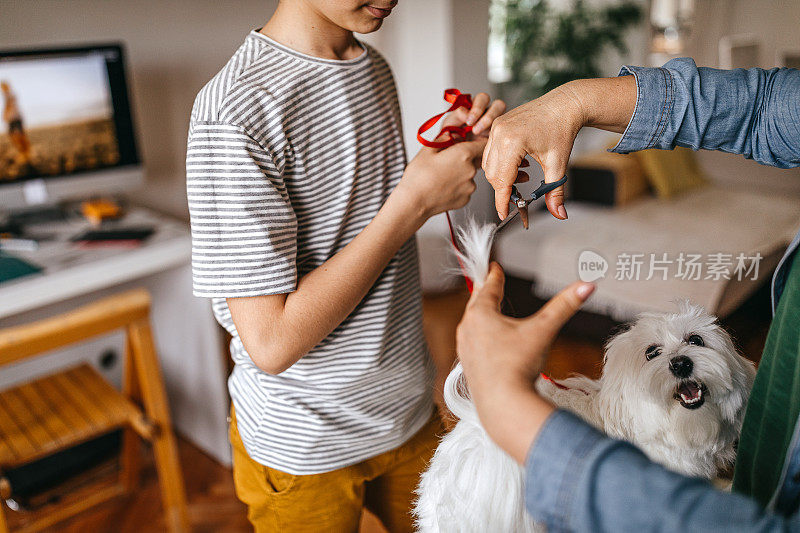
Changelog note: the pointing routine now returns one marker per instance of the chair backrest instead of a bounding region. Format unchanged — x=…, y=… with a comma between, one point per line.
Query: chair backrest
x=91, y=320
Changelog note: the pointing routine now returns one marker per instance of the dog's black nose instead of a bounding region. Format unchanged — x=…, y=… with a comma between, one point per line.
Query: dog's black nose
x=681, y=366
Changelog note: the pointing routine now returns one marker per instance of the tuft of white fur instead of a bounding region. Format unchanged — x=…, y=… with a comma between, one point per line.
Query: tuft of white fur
x=476, y=242
x=458, y=493
x=471, y=485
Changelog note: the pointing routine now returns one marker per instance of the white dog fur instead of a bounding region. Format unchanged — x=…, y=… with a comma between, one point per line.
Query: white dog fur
x=471, y=485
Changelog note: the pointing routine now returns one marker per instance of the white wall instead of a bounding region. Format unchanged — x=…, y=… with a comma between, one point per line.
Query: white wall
x=777, y=25
x=415, y=40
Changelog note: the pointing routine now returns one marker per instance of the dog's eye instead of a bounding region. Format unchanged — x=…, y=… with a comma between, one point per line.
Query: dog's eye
x=652, y=351
x=696, y=340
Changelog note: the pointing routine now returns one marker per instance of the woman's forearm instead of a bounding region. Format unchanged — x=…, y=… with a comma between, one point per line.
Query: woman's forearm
x=607, y=103
x=514, y=419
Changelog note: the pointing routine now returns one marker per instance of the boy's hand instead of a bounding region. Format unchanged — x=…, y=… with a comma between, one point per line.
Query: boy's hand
x=441, y=180
x=480, y=116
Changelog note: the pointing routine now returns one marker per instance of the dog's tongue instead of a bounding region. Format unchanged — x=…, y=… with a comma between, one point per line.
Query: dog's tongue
x=689, y=390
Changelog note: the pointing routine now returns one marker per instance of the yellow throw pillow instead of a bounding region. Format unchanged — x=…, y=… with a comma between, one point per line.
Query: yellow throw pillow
x=671, y=172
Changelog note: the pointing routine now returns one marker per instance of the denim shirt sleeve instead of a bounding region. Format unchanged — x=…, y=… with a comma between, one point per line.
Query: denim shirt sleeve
x=755, y=112
x=577, y=479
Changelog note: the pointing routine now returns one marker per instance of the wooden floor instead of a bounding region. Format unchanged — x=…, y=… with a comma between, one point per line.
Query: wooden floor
x=213, y=506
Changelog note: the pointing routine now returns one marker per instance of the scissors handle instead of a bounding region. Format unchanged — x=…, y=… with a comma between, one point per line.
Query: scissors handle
x=545, y=188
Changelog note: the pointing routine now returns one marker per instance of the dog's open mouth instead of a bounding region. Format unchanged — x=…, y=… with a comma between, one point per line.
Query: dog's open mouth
x=691, y=394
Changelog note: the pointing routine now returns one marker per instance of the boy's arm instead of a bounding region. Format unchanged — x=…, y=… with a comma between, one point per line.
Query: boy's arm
x=277, y=330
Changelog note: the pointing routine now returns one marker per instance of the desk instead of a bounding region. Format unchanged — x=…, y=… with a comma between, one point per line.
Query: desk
x=188, y=339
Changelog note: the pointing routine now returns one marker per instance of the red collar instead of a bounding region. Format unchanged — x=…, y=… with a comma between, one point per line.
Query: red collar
x=559, y=385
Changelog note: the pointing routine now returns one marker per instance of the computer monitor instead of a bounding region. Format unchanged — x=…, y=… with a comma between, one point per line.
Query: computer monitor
x=65, y=125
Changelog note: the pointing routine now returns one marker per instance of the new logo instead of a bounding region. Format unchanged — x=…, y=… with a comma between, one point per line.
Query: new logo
x=591, y=266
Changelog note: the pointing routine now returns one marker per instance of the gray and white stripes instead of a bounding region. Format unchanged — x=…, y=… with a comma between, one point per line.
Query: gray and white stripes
x=289, y=158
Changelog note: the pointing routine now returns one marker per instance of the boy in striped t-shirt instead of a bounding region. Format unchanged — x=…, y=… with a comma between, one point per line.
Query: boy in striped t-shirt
x=303, y=215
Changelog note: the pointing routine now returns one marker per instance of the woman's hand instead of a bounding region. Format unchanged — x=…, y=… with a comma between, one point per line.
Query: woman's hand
x=545, y=129
x=502, y=357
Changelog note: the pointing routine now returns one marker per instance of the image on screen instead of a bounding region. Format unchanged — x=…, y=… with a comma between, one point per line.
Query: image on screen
x=56, y=117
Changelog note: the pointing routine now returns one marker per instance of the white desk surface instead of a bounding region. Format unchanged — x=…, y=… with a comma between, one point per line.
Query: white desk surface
x=70, y=270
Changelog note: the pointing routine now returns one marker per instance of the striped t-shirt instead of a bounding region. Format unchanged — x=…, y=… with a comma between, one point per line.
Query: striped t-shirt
x=289, y=158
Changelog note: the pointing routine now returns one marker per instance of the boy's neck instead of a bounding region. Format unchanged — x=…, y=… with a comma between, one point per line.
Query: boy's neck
x=301, y=27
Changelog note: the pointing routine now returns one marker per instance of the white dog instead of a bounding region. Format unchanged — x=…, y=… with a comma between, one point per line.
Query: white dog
x=672, y=383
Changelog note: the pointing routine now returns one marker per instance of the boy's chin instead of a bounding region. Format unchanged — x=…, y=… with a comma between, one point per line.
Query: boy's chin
x=367, y=26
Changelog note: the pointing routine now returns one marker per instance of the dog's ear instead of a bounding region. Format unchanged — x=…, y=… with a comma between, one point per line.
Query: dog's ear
x=615, y=332
x=618, y=329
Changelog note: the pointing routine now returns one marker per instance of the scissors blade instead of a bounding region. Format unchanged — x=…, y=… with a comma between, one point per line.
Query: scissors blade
x=523, y=215
x=511, y=216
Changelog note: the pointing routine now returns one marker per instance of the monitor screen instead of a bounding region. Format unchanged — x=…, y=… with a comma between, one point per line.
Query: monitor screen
x=64, y=112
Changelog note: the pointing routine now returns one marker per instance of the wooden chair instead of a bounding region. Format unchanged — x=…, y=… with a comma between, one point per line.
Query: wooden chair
x=69, y=407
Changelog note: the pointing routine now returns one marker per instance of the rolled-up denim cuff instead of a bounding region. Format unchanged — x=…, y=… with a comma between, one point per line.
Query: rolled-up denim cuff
x=555, y=466
x=650, y=126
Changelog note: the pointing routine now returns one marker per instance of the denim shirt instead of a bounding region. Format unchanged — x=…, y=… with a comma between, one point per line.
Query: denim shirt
x=578, y=479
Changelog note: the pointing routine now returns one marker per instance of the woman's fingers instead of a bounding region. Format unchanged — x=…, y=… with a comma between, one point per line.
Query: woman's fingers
x=555, y=169
x=501, y=161
x=489, y=294
x=486, y=152
x=549, y=320
x=555, y=203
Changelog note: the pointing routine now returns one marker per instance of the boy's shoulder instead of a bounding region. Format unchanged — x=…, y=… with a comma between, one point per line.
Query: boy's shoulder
x=259, y=79
x=245, y=81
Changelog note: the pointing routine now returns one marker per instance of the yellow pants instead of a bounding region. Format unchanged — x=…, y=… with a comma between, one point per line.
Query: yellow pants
x=332, y=502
